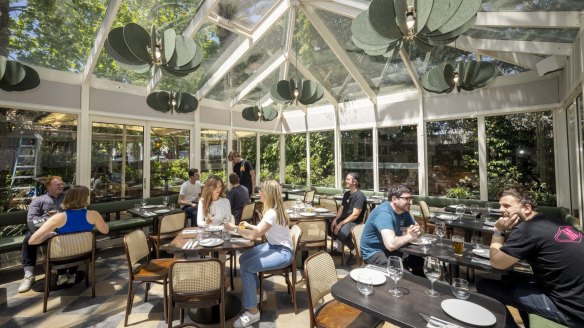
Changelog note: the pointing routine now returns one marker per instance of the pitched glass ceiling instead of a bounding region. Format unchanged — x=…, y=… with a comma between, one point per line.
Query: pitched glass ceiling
x=563, y=35
x=532, y=5
x=246, y=14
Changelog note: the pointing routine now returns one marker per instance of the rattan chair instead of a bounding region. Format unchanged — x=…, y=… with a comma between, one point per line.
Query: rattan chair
x=143, y=270
x=428, y=227
x=196, y=283
x=309, y=197
x=66, y=251
x=356, y=234
x=168, y=227
x=296, y=234
x=247, y=214
x=329, y=204
x=288, y=204
x=314, y=234
x=320, y=274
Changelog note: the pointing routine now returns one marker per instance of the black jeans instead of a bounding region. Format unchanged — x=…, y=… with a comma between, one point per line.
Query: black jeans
x=411, y=263
x=29, y=252
x=191, y=212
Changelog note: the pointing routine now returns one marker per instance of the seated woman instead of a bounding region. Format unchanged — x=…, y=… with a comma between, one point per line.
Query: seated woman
x=213, y=207
x=275, y=254
x=76, y=218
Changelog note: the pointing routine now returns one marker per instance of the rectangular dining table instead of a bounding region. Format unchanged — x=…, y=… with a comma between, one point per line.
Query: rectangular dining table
x=154, y=212
x=405, y=311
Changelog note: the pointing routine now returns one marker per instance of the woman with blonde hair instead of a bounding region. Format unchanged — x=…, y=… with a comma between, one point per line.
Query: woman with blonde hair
x=276, y=253
x=213, y=207
x=76, y=218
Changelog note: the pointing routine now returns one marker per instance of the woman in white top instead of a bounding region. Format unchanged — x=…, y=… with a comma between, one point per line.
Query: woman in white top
x=275, y=254
x=213, y=207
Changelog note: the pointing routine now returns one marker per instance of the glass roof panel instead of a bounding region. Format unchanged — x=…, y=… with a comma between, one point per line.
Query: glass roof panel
x=532, y=5
x=220, y=91
x=317, y=57
x=244, y=13
x=53, y=34
x=523, y=34
x=251, y=98
x=384, y=75
x=504, y=67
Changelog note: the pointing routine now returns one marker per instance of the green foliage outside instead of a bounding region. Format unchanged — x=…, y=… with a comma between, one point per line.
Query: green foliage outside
x=270, y=157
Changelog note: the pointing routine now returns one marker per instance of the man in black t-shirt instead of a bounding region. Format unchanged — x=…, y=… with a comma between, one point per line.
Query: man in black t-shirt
x=350, y=213
x=244, y=169
x=555, y=251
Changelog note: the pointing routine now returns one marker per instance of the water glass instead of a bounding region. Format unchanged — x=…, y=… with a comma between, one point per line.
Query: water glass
x=432, y=271
x=474, y=211
x=440, y=230
x=395, y=270
x=143, y=202
x=165, y=201
x=365, y=284
x=458, y=245
x=488, y=209
x=226, y=235
x=476, y=241
x=137, y=206
x=459, y=211
x=460, y=288
x=172, y=206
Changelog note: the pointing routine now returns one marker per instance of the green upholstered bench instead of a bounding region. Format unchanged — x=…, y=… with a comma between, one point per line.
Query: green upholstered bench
x=14, y=218
x=541, y=322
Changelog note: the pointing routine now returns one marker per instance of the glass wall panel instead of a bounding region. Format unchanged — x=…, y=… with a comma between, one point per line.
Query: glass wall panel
x=169, y=160
x=574, y=154
x=34, y=145
x=296, y=172
x=322, y=158
x=245, y=143
x=269, y=157
x=398, y=156
x=357, y=156
x=520, y=149
x=213, y=154
x=116, y=161
x=453, y=158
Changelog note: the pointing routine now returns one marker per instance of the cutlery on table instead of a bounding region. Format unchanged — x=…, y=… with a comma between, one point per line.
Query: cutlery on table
x=436, y=322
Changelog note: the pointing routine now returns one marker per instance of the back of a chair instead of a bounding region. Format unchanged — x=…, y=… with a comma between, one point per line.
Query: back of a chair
x=71, y=245
x=296, y=234
x=203, y=277
x=357, y=232
x=313, y=230
x=247, y=212
x=309, y=196
x=289, y=204
x=329, y=204
x=320, y=275
x=172, y=223
x=426, y=217
x=136, y=246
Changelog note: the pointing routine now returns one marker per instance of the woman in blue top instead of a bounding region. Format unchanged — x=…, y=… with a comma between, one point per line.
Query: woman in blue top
x=76, y=218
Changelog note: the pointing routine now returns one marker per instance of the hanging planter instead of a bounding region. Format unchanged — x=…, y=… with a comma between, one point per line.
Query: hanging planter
x=466, y=75
x=15, y=76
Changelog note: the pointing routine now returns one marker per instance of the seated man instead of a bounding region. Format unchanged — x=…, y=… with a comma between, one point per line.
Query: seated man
x=189, y=194
x=238, y=197
x=382, y=234
x=555, y=251
x=350, y=213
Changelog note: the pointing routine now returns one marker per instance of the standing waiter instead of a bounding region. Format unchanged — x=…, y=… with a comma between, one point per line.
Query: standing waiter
x=244, y=169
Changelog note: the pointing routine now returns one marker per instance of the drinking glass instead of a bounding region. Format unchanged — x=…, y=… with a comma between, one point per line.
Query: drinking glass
x=172, y=206
x=460, y=288
x=137, y=206
x=143, y=202
x=488, y=210
x=458, y=245
x=474, y=211
x=459, y=211
x=433, y=271
x=165, y=201
x=440, y=230
x=476, y=241
x=395, y=270
x=365, y=284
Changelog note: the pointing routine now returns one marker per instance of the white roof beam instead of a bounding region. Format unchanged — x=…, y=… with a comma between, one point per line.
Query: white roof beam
x=308, y=74
x=289, y=35
x=528, y=47
x=534, y=19
x=523, y=60
x=228, y=25
x=344, y=8
x=339, y=52
x=241, y=49
x=106, y=25
x=410, y=68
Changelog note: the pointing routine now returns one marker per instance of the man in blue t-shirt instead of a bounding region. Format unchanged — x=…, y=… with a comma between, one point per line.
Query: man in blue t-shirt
x=382, y=234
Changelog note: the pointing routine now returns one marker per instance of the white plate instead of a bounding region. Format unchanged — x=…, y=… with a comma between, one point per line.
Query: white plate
x=307, y=214
x=211, y=242
x=468, y=312
x=490, y=223
x=149, y=206
x=214, y=228
x=162, y=211
x=482, y=252
x=445, y=217
x=377, y=278
x=421, y=241
x=289, y=211
x=320, y=210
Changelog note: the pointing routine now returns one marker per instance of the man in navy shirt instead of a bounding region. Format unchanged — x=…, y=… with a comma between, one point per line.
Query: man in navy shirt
x=238, y=197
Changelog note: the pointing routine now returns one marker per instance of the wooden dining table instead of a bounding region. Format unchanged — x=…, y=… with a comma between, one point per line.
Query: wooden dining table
x=405, y=311
x=155, y=212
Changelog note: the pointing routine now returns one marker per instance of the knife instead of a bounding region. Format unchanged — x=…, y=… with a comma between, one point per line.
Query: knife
x=439, y=322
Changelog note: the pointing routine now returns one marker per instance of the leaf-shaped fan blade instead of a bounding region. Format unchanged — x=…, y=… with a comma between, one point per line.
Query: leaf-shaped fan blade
x=366, y=36
x=269, y=113
x=436, y=77
x=283, y=89
x=441, y=13
x=428, y=86
x=463, y=14
x=188, y=103
x=308, y=90
x=115, y=56
x=168, y=71
x=455, y=33
x=2, y=66
x=368, y=47
x=400, y=9
x=153, y=103
x=449, y=75
x=423, y=10
x=195, y=62
x=118, y=44
x=381, y=16
x=168, y=44
x=299, y=85
x=471, y=71
x=316, y=96
x=487, y=73
x=291, y=87
x=251, y=113
x=423, y=46
x=31, y=80
x=14, y=73
x=185, y=51
x=163, y=99
x=137, y=41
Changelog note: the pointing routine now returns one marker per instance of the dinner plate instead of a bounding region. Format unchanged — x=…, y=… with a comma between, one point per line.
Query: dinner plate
x=149, y=206
x=377, y=278
x=307, y=214
x=445, y=217
x=422, y=241
x=211, y=242
x=320, y=210
x=482, y=252
x=162, y=211
x=490, y=223
x=468, y=312
x=289, y=211
x=430, y=237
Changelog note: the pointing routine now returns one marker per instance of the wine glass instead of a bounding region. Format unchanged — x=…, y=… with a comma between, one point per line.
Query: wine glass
x=476, y=241
x=474, y=211
x=165, y=201
x=433, y=271
x=143, y=202
x=395, y=270
x=459, y=211
x=440, y=230
x=365, y=284
x=460, y=288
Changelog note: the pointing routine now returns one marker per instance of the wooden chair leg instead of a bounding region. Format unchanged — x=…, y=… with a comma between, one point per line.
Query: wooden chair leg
x=129, y=302
x=170, y=312
x=47, y=287
x=165, y=298
x=260, y=301
x=146, y=292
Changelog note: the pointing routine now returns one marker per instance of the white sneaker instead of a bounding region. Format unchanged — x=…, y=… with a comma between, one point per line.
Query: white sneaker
x=62, y=279
x=246, y=319
x=26, y=284
x=264, y=296
x=72, y=279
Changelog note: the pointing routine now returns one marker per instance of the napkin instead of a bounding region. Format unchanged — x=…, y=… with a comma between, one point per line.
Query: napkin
x=239, y=240
x=190, y=231
x=486, y=227
x=149, y=213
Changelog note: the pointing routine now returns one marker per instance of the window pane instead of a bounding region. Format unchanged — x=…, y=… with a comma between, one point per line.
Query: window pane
x=33, y=145
x=322, y=158
x=169, y=160
x=357, y=155
x=116, y=161
x=520, y=149
x=398, y=157
x=270, y=157
x=453, y=158
x=296, y=158
x=213, y=154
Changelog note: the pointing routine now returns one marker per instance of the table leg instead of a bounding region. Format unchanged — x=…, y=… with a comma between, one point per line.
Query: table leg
x=210, y=315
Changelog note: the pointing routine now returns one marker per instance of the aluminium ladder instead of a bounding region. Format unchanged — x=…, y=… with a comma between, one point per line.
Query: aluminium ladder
x=26, y=163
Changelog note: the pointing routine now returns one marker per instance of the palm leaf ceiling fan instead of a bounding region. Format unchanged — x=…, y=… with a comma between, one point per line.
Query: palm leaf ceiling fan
x=259, y=113
x=15, y=76
x=468, y=75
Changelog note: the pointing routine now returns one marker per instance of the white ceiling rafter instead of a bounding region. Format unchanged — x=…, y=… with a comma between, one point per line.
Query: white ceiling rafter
x=228, y=25
x=343, y=8
x=410, y=68
x=533, y=19
x=106, y=25
x=523, y=60
x=308, y=74
x=526, y=47
x=339, y=52
x=289, y=41
x=239, y=50
x=194, y=26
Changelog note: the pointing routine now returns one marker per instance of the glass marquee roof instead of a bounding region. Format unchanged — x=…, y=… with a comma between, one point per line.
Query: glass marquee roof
x=249, y=45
